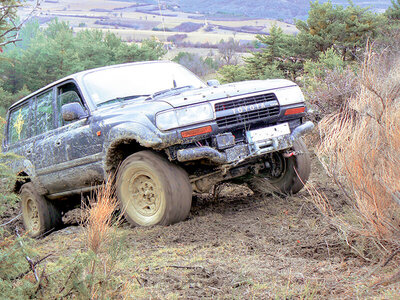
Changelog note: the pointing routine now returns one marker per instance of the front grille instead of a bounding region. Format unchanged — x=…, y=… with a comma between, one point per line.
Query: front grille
x=245, y=101
x=247, y=117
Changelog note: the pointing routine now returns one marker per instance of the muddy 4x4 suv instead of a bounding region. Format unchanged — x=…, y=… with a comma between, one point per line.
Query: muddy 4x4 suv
x=160, y=131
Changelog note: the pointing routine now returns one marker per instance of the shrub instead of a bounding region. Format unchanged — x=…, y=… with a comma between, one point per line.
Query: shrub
x=196, y=63
x=187, y=27
x=85, y=274
x=232, y=73
x=329, y=83
x=360, y=148
x=177, y=38
x=327, y=95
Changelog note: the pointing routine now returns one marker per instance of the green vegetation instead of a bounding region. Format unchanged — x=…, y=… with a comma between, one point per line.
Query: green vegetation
x=45, y=55
x=393, y=12
x=8, y=16
x=338, y=30
x=89, y=273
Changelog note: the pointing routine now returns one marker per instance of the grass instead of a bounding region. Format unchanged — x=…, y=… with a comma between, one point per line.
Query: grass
x=236, y=247
x=360, y=148
x=98, y=217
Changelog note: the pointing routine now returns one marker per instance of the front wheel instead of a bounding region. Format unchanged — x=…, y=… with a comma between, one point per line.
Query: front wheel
x=152, y=191
x=286, y=175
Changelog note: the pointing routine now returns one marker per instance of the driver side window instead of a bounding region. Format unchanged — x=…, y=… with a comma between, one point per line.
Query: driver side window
x=67, y=93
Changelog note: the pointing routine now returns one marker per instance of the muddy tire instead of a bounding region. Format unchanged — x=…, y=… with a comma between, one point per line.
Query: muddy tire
x=39, y=215
x=295, y=173
x=152, y=191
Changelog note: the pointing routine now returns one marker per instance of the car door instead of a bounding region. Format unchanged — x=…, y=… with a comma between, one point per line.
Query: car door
x=19, y=139
x=69, y=155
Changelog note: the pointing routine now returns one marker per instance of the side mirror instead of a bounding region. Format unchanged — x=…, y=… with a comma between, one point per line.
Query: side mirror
x=72, y=111
x=213, y=82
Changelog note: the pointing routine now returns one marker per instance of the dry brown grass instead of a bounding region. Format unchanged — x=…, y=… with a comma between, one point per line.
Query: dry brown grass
x=98, y=216
x=102, y=239
x=360, y=149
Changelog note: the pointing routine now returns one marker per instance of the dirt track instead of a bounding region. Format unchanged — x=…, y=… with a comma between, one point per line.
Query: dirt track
x=238, y=246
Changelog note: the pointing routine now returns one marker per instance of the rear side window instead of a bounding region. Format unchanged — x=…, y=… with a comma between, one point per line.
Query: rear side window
x=44, y=112
x=18, y=125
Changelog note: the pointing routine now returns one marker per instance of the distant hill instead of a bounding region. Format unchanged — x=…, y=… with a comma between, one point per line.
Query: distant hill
x=286, y=10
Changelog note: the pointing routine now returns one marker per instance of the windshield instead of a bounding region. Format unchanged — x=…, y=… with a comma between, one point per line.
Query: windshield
x=131, y=81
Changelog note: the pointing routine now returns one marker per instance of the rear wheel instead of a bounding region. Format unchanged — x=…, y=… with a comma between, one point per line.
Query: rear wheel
x=153, y=191
x=286, y=175
x=39, y=214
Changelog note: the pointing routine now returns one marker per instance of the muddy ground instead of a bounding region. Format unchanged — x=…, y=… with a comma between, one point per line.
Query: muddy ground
x=239, y=245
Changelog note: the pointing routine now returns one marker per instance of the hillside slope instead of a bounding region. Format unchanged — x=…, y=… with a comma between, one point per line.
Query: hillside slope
x=272, y=9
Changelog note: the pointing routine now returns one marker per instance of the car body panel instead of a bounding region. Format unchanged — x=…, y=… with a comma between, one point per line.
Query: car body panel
x=76, y=156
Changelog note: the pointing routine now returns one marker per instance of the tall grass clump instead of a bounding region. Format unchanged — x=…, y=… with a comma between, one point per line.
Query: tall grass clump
x=103, y=242
x=90, y=272
x=98, y=217
x=360, y=149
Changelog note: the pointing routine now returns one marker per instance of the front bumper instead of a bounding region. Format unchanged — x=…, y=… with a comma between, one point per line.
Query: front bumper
x=242, y=152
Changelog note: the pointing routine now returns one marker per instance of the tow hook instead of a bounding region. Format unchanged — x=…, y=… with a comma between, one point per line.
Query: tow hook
x=289, y=154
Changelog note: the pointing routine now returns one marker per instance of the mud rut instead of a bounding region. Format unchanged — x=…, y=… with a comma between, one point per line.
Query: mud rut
x=236, y=245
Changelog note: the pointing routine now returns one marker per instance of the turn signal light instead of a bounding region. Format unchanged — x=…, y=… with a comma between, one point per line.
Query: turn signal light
x=197, y=131
x=293, y=111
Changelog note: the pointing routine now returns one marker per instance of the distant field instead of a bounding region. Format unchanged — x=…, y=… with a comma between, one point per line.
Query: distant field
x=123, y=19
x=194, y=37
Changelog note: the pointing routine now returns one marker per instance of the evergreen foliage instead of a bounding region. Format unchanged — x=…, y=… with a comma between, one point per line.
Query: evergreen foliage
x=393, y=12
x=277, y=58
x=327, y=61
x=328, y=29
x=232, y=73
x=45, y=55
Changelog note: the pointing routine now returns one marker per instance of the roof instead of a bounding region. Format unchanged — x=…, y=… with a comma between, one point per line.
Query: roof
x=78, y=77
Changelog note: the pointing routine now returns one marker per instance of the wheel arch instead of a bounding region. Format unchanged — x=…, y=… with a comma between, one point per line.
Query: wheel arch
x=25, y=172
x=118, y=151
x=21, y=178
x=126, y=139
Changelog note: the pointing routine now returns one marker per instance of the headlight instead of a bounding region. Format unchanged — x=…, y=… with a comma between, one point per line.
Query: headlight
x=184, y=116
x=290, y=95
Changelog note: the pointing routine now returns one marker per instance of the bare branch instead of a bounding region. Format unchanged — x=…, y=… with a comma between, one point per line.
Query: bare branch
x=28, y=259
x=11, y=34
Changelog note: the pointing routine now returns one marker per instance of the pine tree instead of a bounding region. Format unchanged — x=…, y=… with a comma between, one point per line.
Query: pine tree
x=279, y=56
x=393, y=12
x=345, y=29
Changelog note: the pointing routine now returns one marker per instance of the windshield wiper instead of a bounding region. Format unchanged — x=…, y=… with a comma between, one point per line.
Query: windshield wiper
x=121, y=99
x=170, y=92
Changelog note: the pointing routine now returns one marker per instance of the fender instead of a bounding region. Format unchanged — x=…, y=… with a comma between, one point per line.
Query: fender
x=23, y=165
x=145, y=135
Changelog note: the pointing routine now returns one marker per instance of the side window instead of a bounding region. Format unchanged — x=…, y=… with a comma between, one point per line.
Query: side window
x=18, y=124
x=44, y=112
x=67, y=93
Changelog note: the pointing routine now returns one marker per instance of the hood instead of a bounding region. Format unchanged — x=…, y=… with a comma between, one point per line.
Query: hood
x=224, y=91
